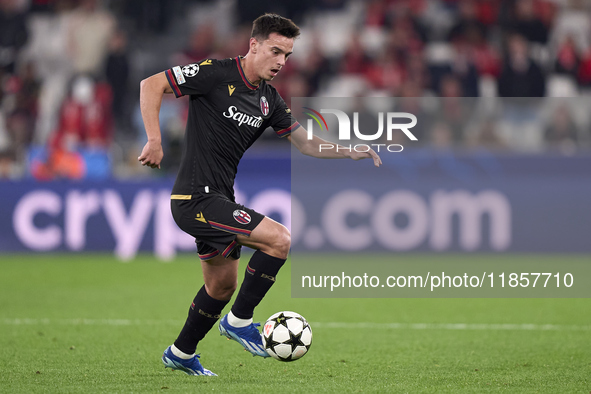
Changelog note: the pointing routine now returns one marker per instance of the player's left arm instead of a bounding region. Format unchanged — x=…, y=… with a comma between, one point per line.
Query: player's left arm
x=322, y=149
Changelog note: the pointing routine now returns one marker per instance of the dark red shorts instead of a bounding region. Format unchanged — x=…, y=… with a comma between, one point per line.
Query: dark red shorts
x=215, y=221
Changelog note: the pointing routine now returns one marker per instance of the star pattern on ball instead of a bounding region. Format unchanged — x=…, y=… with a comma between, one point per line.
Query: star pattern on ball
x=281, y=319
x=295, y=340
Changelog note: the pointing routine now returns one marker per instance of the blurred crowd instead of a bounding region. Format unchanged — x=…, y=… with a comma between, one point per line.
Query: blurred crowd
x=70, y=70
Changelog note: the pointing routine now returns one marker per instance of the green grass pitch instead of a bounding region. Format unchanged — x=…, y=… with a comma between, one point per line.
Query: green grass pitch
x=88, y=323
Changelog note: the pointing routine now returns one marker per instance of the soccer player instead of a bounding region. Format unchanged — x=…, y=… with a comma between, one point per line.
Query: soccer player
x=231, y=105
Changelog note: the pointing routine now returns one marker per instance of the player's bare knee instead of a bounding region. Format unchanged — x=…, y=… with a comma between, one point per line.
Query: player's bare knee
x=230, y=288
x=282, y=242
x=221, y=290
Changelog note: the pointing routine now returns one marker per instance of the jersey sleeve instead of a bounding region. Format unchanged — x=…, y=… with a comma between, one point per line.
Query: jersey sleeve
x=282, y=120
x=195, y=78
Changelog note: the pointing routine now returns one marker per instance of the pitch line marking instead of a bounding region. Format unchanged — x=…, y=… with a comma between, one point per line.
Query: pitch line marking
x=454, y=326
x=331, y=325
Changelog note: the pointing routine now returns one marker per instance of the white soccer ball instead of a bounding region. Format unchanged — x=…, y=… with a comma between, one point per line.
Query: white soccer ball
x=287, y=336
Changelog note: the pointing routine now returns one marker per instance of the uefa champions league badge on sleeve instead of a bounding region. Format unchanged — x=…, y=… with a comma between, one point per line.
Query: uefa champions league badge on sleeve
x=190, y=70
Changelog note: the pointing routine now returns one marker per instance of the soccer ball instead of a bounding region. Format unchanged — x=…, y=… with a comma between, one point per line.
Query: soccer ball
x=287, y=336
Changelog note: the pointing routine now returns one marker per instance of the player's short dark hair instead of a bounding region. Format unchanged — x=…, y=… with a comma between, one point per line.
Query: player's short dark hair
x=273, y=23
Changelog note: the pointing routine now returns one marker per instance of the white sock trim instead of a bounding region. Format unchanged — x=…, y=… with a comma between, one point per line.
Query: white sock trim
x=175, y=350
x=237, y=322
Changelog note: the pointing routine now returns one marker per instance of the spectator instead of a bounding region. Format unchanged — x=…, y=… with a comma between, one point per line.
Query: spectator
x=375, y=13
x=89, y=32
x=117, y=73
x=316, y=68
x=567, y=59
x=296, y=86
x=86, y=116
x=9, y=166
x=202, y=44
x=18, y=125
x=13, y=33
x=48, y=51
x=574, y=21
x=464, y=69
x=562, y=131
x=584, y=72
x=477, y=51
x=527, y=24
x=388, y=72
x=441, y=138
x=84, y=127
x=355, y=59
x=521, y=76
x=19, y=110
x=467, y=20
x=406, y=35
x=402, y=19
x=27, y=90
x=451, y=87
x=416, y=71
x=454, y=108
x=237, y=44
x=487, y=136
x=487, y=12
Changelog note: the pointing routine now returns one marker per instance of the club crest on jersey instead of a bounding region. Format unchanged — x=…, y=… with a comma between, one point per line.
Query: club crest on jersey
x=264, y=106
x=241, y=216
x=190, y=70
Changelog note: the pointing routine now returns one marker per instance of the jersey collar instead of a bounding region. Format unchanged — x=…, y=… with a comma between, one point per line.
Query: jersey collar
x=246, y=81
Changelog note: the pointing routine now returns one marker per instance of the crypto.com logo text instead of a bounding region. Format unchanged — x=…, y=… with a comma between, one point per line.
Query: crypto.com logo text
x=345, y=129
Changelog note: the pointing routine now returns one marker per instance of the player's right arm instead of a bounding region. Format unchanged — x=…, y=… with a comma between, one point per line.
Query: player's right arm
x=313, y=147
x=152, y=90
